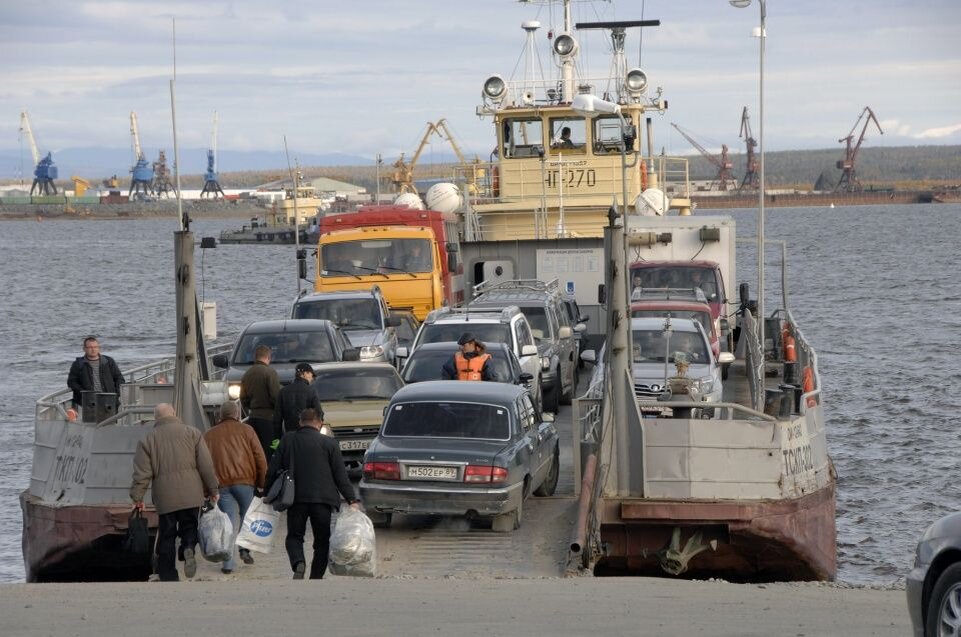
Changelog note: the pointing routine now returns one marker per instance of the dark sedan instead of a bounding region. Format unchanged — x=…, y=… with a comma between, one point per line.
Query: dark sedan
x=460, y=448
x=426, y=361
x=934, y=584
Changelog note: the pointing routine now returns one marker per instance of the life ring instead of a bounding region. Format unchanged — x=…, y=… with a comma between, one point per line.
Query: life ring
x=807, y=385
x=643, y=165
x=495, y=182
x=790, y=351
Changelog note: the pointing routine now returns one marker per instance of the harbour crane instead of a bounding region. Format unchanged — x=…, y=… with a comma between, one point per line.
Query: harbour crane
x=141, y=182
x=751, y=179
x=211, y=184
x=80, y=186
x=44, y=171
x=849, y=179
x=161, y=177
x=403, y=176
x=722, y=163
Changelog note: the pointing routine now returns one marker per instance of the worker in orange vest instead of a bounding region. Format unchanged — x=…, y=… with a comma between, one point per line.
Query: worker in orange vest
x=470, y=363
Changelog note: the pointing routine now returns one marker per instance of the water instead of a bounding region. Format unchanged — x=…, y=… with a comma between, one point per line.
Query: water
x=871, y=287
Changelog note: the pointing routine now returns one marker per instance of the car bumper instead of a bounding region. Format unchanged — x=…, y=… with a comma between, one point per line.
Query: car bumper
x=436, y=500
x=914, y=589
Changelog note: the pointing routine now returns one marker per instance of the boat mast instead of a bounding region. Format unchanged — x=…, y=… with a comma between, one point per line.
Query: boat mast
x=567, y=63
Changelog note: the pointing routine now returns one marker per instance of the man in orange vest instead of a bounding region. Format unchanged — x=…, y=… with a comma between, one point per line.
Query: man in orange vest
x=470, y=363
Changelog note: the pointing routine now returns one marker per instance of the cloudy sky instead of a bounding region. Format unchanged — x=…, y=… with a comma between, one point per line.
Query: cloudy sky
x=364, y=76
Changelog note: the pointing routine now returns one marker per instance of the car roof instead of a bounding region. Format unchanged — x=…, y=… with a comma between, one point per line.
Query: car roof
x=289, y=325
x=680, y=306
x=338, y=294
x=352, y=366
x=459, y=391
x=657, y=323
x=451, y=346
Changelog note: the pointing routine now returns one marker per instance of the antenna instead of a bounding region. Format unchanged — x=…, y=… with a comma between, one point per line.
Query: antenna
x=293, y=179
x=183, y=219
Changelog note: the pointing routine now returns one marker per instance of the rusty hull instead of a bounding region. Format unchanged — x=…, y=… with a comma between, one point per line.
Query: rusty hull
x=757, y=541
x=80, y=543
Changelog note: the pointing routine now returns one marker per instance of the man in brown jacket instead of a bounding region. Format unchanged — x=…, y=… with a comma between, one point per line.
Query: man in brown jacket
x=240, y=465
x=258, y=394
x=175, y=460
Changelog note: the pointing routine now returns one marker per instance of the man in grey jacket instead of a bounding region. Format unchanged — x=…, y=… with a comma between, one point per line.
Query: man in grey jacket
x=174, y=458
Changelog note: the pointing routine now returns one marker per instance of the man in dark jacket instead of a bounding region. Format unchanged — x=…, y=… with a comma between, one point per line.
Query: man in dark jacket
x=258, y=394
x=315, y=463
x=472, y=362
x=93, y=372
x=294, y=399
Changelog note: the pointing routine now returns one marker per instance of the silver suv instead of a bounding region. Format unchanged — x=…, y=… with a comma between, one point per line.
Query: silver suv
x=361, y=314
x=542, y=304
x=506, y=325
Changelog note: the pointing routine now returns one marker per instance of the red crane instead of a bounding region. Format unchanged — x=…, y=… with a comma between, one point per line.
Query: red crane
x=849, y=180
x=751, y=179
x=722, y=163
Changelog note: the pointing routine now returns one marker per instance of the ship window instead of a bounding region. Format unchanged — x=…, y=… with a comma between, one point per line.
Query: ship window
x=567, y=135
x=523, y=137
x=607, y=134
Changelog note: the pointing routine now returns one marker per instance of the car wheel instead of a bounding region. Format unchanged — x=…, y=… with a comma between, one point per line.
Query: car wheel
x=551, y=397
x=507, y=522
x=381, y=520
x=943, y=616
x=568, y=396
x=725, y=369
x=549, y=485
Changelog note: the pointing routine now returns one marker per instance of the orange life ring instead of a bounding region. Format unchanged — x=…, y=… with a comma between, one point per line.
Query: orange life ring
x=643, y=175
x=71, y=415
x=495, y=182
x=790, y=352
x=807, y=385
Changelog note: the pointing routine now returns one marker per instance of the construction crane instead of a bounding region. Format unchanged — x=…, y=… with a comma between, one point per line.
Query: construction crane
x=161, y=177
x=211, y=184
x=80, y=186
x=141, y=183
x=849, y=179
x=722, y=163
x=751, y=179
x=44, y=171
x=403, y=176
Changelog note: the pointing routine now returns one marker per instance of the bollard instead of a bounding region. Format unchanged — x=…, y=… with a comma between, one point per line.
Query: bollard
x=772, y=401
x=790, y=373
x=106, y=406
x=787, y=400
x=88, y=406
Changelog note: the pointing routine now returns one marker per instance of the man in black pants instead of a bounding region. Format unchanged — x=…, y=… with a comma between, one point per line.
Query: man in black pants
x=294, y=399
x=259, y=389
x=315, y=463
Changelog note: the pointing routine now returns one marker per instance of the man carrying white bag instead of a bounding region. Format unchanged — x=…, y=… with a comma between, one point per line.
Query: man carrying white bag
x=259, y=528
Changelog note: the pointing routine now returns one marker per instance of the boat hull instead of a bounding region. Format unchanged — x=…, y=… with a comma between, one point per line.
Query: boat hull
x=756, y=541
x=80, y=543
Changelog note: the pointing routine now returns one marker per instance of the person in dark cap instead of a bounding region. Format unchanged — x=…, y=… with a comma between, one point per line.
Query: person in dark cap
x=295, y=398
x=470, y=363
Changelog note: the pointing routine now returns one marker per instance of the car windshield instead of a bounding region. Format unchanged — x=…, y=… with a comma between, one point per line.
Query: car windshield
x=484, y=332
x=650, y=345
x=355, y=383
x=537, y=317
x=383, y=256
x=704, y=318
x=447, y=420
x=677, y=277
x=349, y=314
x=426, y=365
x=287, y=347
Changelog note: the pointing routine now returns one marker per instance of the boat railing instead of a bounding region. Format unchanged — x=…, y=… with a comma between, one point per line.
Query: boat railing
x=753, y=359
x=806, y=358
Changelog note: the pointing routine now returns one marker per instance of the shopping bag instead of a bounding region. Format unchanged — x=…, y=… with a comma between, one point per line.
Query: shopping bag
x=259, y=527
x=353, y=547
x=138, y=535
x=216, y=534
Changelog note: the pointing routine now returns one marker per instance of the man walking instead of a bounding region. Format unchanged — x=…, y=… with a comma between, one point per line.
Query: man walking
x=93, y=372
x=241, y=466
x=258, y=394
x=175, y=460
x=472, y=362
x=315, y=463
x=295, y=398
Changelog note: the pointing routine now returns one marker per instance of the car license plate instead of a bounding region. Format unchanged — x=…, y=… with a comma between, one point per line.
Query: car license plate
x=354, y=445
x=431, y=473
x=656, y=411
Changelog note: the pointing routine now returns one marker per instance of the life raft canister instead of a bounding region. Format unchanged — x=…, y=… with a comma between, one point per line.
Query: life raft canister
x=643, y=165
x=470, y=368
x=790, y=351
x=807, y=385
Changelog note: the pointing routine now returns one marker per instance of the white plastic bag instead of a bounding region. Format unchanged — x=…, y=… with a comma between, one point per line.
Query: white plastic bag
x=353, y=547
x=216, y=535
x=259, y=527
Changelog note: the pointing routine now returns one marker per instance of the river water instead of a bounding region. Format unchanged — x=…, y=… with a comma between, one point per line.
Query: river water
x=872, y=288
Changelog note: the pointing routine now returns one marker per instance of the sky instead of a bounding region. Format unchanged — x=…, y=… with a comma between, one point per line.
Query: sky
x=365, y=77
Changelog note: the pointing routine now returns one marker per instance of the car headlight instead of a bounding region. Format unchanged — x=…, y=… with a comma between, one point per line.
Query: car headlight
x=371, y=351
x=233, y=391
x=545, y=362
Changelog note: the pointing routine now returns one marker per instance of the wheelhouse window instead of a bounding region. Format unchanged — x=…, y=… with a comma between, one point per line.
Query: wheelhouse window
x=522, y=137
x=567, y=135
x=448, y=420
x=607, y=134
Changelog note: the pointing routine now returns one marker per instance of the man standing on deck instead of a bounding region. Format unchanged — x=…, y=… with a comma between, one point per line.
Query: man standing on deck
x=294, y=398
x=93, y=372
x=174, y=459
x=241, y=467
x=258, y=394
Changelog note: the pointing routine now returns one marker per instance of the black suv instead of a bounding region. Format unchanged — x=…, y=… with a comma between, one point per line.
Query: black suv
x=543, y=306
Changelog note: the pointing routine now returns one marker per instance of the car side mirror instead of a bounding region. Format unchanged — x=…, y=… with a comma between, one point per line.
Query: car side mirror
x=393, y=321
x=220, y=361
x=547, y=417
x=583, y=318
x=580, y=327
x=725, y=358
x=402, y=352
x=526, y=377
x=589, y=356
x=538, y=334
x=529, y=350
x=352, y=354
x=565, y=332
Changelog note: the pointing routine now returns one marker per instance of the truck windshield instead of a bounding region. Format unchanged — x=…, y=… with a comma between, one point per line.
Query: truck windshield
x=348, y=314
x=677, y=277
x=650, y=345
x=383, y=256
x=448, y=420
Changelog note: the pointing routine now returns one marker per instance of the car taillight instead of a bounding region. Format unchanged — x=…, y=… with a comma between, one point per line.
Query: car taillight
x=483, y=473
x=382, y=470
